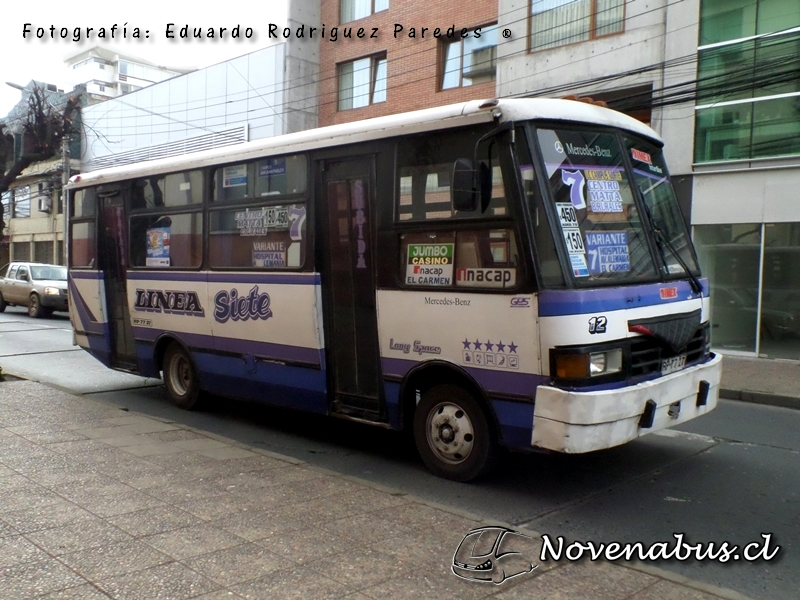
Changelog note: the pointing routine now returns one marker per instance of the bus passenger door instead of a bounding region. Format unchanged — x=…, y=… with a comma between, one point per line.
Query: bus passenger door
x=113, y=262
x=348, y=283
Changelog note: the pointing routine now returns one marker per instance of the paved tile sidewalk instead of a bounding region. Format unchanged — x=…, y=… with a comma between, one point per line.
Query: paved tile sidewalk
x=764, y=381
x=96, y=503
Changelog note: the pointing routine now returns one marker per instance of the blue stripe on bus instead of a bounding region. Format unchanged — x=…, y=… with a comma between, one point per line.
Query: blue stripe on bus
x=263, y=382
x=272, y=277
x=516, y=422
x=391, y=391
x=313, y=356
x=493, y=381
x=556, y=303
x=86, y=274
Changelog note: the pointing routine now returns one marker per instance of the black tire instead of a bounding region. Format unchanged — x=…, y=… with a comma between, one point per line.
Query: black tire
x=453, y=435
x=3, y=304
x=35, y=308
x=180, y=378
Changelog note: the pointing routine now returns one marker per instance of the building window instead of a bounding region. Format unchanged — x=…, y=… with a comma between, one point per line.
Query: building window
x=43, y=252
x=362, y=82
x=358, y=9
x=470, y=60
x=560, y=22
x=6, y=200
x=759, y=115
x=755, y=286
x=22, y=202
x=21, y=251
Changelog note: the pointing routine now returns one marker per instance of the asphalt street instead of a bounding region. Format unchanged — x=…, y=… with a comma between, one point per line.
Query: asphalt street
x=730, y=476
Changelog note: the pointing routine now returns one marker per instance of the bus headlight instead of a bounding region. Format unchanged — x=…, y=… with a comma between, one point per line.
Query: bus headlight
x=605, y=363
x=590, y=364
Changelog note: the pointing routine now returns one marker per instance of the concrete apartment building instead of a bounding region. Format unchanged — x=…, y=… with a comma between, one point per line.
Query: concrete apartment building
x=108, y=73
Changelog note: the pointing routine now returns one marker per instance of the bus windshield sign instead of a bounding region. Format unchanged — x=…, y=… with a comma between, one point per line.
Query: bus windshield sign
x=598, y=217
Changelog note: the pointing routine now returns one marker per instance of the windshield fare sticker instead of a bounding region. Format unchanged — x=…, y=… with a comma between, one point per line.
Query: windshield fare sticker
x=568, y=219
x=604, y=194
x=579, y=268
x=608, y=251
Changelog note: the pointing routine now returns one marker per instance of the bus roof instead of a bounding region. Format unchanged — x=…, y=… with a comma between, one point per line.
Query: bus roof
x=441, y=117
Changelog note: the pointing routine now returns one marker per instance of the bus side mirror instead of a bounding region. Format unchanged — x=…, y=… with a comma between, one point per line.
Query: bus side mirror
x=462, y=190
x=470, y=185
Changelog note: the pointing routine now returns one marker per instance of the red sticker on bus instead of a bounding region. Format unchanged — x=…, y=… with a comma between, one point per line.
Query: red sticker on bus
x=641, y=156
x=667, y=293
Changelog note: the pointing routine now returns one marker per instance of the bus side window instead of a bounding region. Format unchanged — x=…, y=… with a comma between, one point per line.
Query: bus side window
x=487, y=258
x=233, y=182
x=175, y=240
x=424, y=170
x=479, y=258
x=266, y=237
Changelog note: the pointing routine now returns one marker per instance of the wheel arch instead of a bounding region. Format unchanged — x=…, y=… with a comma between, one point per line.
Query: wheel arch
x=429, y=374
x=160, y=348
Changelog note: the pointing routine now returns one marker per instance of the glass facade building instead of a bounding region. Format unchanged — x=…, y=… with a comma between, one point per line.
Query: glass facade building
x=747, y=144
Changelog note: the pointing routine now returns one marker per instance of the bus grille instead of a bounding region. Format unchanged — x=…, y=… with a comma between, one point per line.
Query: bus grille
x=648, y=352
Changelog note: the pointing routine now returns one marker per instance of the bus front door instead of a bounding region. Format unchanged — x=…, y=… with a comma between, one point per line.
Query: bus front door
x=113, y=262
x=348, y=278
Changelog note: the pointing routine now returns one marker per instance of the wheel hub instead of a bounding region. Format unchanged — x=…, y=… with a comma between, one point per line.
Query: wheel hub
x=450, y=432
x=447, y=434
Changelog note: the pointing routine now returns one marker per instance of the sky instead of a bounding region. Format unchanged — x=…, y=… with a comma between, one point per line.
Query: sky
x=32, y=57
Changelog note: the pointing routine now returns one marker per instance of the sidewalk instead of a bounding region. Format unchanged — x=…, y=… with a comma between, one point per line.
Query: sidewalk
x=764, y=381
x=96, y=502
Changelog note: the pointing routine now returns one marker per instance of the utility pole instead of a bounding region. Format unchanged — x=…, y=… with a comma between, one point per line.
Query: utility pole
x=65, y=175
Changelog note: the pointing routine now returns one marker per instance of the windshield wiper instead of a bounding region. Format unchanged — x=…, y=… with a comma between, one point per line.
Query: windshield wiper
x=662, y=241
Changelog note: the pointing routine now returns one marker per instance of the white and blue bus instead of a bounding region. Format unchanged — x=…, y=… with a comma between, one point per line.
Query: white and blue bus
x=500, y=273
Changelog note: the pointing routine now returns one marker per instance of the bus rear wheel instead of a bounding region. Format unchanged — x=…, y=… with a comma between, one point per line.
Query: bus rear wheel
x=180, y=377
x=452, y=434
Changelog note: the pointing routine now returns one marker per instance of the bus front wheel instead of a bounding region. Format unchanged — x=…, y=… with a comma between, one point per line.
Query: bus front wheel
x=452, y=434
x=180, y=377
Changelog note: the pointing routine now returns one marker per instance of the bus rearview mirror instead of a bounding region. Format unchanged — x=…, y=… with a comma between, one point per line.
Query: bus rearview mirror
x=462, y=190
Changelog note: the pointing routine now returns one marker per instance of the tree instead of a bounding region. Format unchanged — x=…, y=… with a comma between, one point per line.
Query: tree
x=40, y=129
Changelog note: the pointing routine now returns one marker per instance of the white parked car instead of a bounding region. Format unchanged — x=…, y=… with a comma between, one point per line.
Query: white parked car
x=40, y=287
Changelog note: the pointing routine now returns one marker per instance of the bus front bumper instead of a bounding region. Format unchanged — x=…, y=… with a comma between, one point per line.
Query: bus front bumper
x=577, y=422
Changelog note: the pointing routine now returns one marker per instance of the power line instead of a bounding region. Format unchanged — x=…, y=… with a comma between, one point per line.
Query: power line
x=399, y=58
x=675, y=96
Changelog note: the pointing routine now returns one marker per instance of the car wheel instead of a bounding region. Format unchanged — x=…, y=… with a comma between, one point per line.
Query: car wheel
x=453, y=435
x=3, y=304
x=35, y=308
x=180, y=377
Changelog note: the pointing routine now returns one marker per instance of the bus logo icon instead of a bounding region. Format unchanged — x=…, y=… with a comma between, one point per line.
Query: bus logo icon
x=493, y=554
x=520, y=303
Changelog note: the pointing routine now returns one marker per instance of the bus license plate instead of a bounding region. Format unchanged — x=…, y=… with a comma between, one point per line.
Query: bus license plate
x=670, y=365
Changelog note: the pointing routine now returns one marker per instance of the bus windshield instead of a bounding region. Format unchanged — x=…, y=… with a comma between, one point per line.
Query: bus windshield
x=652, y=179
x=595, y=207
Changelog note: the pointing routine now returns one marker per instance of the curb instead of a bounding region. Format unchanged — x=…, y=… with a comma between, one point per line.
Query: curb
x=764, y=398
